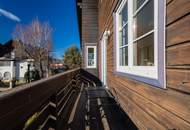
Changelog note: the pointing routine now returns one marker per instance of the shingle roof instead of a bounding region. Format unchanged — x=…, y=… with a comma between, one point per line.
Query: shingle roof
x=7, y=48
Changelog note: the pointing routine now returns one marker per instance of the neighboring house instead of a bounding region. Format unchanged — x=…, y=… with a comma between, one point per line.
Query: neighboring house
x=22, y=67
x=142, y=52
x=13, y=62
x=14, y=69
x=7, y=69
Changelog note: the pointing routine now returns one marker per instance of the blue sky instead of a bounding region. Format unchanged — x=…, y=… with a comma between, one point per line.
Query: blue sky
x=61, y=15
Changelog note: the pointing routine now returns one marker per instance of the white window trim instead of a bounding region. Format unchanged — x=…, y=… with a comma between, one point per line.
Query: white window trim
x=95, y=57
x=153, y=75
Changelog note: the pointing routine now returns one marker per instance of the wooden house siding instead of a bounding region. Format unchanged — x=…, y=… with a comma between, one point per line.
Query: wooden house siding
x=89, y=28
x=150, y=107
x=89, y=21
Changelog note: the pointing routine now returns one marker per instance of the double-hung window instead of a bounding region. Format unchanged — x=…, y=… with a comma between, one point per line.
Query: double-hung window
x=140, y=40
x=91, y=56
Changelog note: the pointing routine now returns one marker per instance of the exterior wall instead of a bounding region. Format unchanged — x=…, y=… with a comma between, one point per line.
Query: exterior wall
x=17, y=71
x=89, y=21
x=93, y=71
x=10, y=69
x=4, y=69
x=21, y=69
x=89, y=27
x=150, y=107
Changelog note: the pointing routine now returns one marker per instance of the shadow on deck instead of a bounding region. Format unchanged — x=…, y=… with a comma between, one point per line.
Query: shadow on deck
x=95, y=108
x=75, y=100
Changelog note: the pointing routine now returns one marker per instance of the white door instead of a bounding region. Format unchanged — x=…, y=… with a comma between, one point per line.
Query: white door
x=103, y=60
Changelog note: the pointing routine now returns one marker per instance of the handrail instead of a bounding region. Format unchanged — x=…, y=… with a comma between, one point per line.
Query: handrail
x=19, y=104
x=27, y=86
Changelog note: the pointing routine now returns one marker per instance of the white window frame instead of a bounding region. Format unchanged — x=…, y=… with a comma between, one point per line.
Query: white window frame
x=153, y=75
x=95, y=57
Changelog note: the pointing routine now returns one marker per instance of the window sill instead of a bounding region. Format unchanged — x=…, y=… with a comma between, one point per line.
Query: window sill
x=91, y=67
x=153, y=82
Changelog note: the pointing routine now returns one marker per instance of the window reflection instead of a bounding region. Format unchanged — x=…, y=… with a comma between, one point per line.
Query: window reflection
x=123, y=36
x=144, y=51
x=124, y=56
x=124, y=14
x=144, y=20
x=137, y=4
x=91, y=57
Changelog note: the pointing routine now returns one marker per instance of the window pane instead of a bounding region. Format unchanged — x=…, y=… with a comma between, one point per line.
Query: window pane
x=144, y=51
x=90, y=62
x=144, y=21
x=120, y=38
x=125, y=36
x=1, y=76
x=124, y=15
x=121, y=57
x=123, y=32
x=91, y=57
x=7, y=76
x=124, y=56
x=90, y=50
x=137, y=4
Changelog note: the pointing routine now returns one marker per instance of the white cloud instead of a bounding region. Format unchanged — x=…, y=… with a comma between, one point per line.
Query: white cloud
x=9, y=15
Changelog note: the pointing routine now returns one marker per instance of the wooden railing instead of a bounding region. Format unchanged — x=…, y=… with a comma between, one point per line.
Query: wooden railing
x=39, y=105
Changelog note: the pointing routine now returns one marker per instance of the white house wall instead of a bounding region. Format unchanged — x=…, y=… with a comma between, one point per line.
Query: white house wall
x=21, y=69
x=4, y=69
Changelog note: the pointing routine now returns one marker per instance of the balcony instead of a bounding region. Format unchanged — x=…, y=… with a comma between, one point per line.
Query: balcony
x=74, y=100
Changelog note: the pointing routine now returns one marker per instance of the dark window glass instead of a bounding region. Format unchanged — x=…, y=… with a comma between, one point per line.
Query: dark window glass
x=90, y=50
x=7, y=76
x=124, y=15
x=123, y=32
x=144, y=51
x=121, y=57
x=91, y=57
x=125, y=36
x=124, y=56
x=137, y=4
x=1, y=76
x=144, y=20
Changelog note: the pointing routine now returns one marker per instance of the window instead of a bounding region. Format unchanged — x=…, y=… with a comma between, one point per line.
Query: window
x=140, y=40
x=7, y=76
x=1, y=76
x=143, y=33
x=91, y=56
x=123, y=36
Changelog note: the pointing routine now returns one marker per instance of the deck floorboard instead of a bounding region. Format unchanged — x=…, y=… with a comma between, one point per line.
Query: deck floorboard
x=96, y=109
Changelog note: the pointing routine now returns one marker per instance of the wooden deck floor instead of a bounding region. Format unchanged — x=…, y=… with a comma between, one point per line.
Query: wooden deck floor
x=95, y=109
x=73, y=100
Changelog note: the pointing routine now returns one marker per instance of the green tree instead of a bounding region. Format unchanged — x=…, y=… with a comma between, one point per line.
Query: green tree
x=72, y=57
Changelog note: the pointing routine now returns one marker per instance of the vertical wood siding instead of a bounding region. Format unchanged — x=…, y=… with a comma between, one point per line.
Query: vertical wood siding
x=89, y=27
x=150, y=107
x=89, y=21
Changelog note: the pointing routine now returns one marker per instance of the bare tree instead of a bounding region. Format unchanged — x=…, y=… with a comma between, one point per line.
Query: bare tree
x=37, y=41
